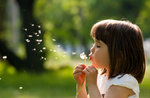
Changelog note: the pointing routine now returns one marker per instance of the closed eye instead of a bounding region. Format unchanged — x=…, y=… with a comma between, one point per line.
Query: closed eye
x=98, y=46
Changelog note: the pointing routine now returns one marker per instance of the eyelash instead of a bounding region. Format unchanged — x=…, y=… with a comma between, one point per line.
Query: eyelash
x=98, y=46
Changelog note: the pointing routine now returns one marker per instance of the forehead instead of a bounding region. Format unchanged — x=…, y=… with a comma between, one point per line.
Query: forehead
x=98, y=41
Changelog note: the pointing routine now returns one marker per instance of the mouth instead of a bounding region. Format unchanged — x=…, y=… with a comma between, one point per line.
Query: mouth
x=90, y=56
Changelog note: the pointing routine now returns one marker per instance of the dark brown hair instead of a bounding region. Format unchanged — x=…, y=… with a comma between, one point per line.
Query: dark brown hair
x=125, y=46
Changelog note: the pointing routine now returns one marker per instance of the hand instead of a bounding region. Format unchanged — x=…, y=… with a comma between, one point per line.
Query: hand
x=91, y=75
x=78, y=74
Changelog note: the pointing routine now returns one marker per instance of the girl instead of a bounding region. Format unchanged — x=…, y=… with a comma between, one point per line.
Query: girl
x=118, y=53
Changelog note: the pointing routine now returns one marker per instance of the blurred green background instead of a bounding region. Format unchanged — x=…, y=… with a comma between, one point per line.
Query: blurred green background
x=41, y=40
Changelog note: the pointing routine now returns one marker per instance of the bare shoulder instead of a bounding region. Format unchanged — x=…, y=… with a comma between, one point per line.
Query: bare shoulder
x=116, y=91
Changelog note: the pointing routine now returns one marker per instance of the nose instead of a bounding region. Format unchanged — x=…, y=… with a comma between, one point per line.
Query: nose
x=92, y=49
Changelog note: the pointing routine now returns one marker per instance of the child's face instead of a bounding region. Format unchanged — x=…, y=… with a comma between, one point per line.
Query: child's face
x=99, y=55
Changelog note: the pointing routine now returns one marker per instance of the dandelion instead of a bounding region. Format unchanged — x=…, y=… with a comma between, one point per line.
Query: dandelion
x=83, y=57
x=4, y=57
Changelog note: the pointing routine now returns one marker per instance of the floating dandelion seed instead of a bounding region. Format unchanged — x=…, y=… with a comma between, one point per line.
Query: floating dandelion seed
x=27, y=40
x=39, y=40
x=45, y=59
x=41, y=51
x=39, y=26
x=38, y=43
x=20, y=87
x=73, y=53
x=32, y=24
x=64, y=56
x=41, y=58
x=44, y=48
x=35, y=33
x=58, y=46
x=53, y=39
x=39, y=31
x=54, y=50
x=30, y=36
x=4, y=57
x=51, y=50
x=34, y=49
x=25, y=29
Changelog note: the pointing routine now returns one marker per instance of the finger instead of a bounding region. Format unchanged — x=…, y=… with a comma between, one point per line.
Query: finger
x=85, y=71
x=77, y=74
x=77, y=70
x=92, y=69
x=81, y=66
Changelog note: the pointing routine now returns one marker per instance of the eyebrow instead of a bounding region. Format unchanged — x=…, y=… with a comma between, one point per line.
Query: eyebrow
x=97, y=41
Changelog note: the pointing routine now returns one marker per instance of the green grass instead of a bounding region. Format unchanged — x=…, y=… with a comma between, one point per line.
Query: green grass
x=54, y=84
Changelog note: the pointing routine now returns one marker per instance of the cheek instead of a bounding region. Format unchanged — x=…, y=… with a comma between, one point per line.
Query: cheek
x=100, y=60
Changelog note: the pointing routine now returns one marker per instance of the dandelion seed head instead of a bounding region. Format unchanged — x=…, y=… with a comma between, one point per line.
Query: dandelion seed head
x=83, y=55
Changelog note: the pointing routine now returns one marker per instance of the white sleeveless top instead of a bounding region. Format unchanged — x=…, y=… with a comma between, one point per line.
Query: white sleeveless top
x=127, y=81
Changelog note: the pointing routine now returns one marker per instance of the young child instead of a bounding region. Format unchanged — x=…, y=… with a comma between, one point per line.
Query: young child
x=118, y=53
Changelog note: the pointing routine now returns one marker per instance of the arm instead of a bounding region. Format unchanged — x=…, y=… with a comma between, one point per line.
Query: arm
x=91, y=80
x=79, y=77
x=94, y=91
x=116, y=91
x=81, y=92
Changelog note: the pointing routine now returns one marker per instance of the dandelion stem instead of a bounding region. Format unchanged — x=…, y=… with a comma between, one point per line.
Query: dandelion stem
x=83, y=80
